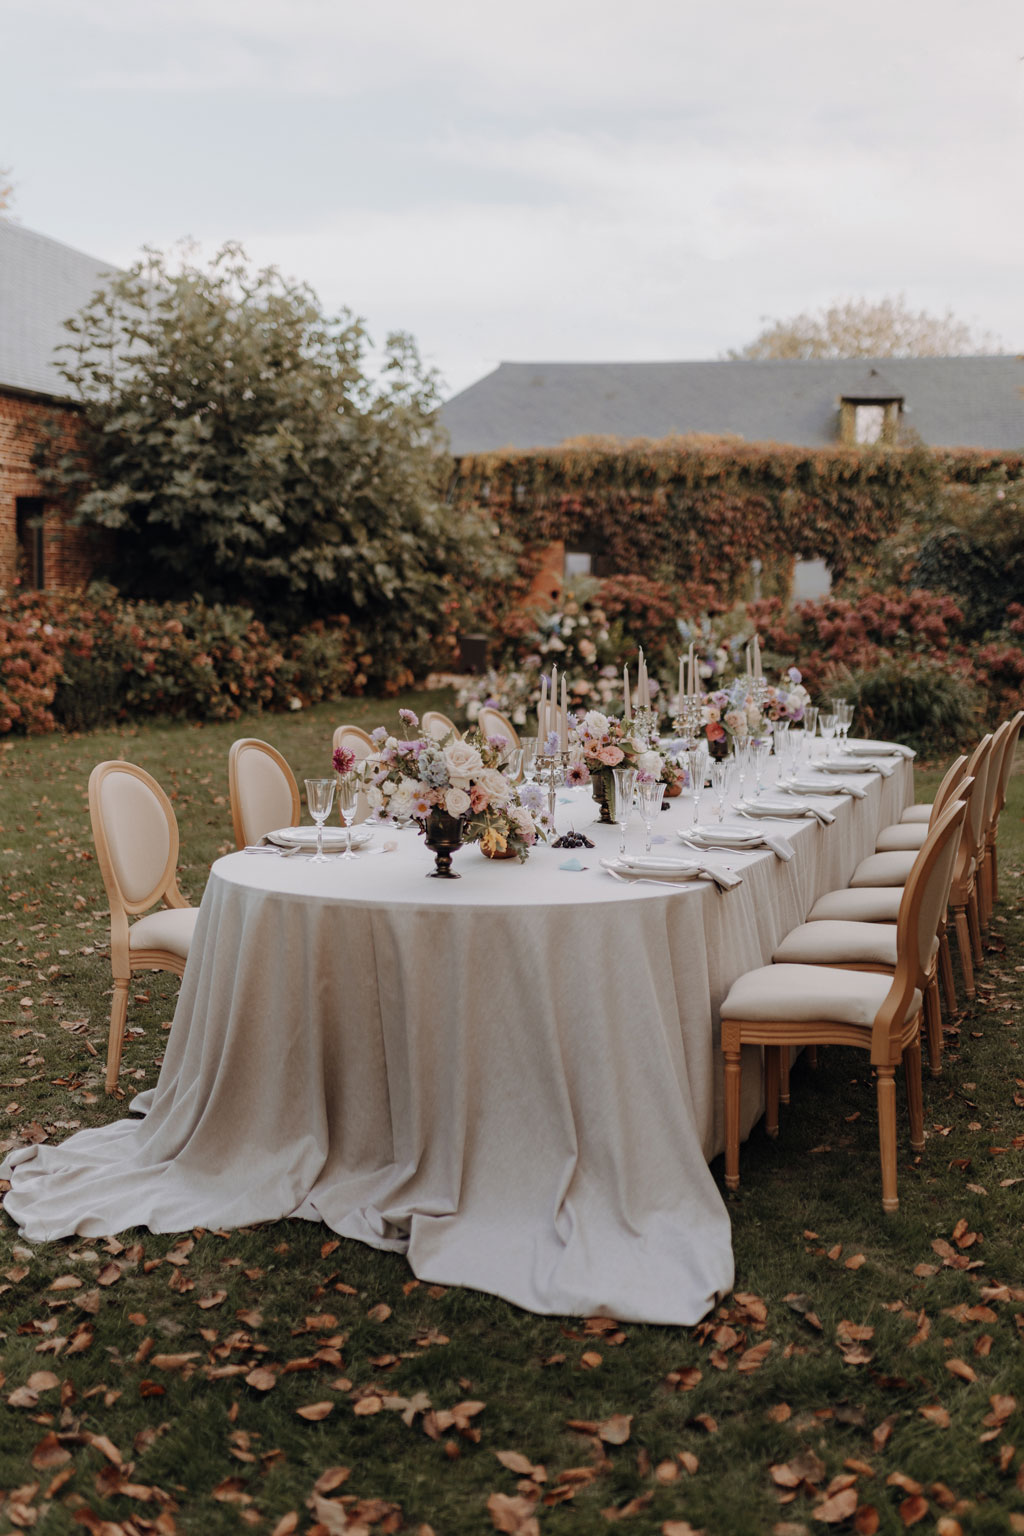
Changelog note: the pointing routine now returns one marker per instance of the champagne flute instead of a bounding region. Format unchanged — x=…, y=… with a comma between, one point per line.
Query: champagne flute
x=319, y=799
x=529, y=761
x=651, y=795
x=721, y=773
x=348, y=794
x=762, y=752
x=810, y=722
x=827, y=727
x=512, y=767
x=697, y=763
x=741, y=756
x=623, y=787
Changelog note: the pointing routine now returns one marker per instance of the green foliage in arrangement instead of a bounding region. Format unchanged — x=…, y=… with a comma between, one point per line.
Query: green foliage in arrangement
x=864, y=1374
x=235, y=444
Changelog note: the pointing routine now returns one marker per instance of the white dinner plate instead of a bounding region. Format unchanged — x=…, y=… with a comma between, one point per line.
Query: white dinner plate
x=649, y=867
x=860, y=746
x=722, y=837
x=773, y=808
x=305, y=837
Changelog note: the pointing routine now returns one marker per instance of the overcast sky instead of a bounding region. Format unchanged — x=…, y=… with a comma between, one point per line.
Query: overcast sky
x=550, y=180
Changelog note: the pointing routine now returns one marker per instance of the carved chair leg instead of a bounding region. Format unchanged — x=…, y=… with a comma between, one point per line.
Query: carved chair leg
x=784, y=1065
x=994, y=875
x=812, y=1057
x=946, y=970
x=963, y=942
x=772, y=1074
x=115, y=1039
x=732, y=1114
x=886, y=1089
x=933, y=1026
x=974, y=925
x=915, y=1095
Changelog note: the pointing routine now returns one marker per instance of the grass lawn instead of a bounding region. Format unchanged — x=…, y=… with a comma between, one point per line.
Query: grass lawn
x=868, y=1373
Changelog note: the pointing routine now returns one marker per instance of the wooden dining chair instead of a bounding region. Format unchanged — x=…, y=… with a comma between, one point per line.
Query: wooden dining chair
x=992, y=831
x=902, y=836
x=136, y=837
x=780, y=1006
x=439, y=726
x=262, y=791
x=872, y=946
x=493, y=723
x=362, y=744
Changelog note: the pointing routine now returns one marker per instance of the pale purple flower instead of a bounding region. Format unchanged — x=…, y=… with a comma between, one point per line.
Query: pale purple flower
x=795, y=675
x=408, y=718
x=576, y=774
x=379, y=734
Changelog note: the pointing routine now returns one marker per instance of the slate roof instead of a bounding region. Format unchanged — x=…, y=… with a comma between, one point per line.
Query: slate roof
x=947, y=401
x=42, y=284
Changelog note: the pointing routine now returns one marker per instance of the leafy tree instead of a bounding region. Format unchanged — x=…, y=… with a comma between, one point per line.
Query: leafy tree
x=860, y=328
x=237, y=449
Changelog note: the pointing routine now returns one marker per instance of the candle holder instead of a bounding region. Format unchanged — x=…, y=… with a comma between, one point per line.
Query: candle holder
x=645, y=724
x=690, y=720
x=553, y=763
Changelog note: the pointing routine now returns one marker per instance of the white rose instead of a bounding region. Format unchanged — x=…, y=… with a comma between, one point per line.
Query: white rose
x=595, y=724
x=463, y=763
x=650, y=762
x=401, y=802
x=374, y=797
x=456, y=802
x=494, y=785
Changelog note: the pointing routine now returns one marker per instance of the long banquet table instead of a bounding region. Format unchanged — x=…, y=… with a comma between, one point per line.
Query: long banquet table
x=512, y=1077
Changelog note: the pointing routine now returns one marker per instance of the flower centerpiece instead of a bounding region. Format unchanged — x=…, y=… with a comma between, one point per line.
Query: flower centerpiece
x=737, y=713
x=454, y=788
x=606, y=744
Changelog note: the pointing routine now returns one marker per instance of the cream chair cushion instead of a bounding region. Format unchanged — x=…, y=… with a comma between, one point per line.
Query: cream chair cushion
x=884, y=869
x=810, y=993
x=863, y=904
x=839, y=943
x=137, y=836
x=171, y=929
x=916, y=813
x=264, y=793
x=902, y=837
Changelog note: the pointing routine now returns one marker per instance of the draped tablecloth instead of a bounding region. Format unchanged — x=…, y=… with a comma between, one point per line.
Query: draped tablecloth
x=512, y=1077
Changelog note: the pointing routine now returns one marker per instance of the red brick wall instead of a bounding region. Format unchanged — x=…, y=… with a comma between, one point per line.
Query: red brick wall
x=69, y=554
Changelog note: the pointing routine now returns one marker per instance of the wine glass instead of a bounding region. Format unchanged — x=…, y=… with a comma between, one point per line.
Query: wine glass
x=697, y=763
x=741, y=757
x=810, y=722
x=623, y=787
x=844, y=719
x=512, y=767
x=529, y=761
x=762, y=752
x=827, y=727
x=651, y=795
x=721, y=773
x=319, y=799
x=348, y=793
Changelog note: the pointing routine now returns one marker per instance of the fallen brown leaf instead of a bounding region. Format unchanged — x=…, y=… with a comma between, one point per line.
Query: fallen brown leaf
x=840, y=1506
x=262, y=1379
x=49, y=1453
x=962, y=1369
x=590, y=1359
x=331, y=1478
x=913, y=1509
x=314, y=1412
x=866, y=1520
x=616, y=1430
x=521, y=1465
x=936, y=1414
x=513, y=1515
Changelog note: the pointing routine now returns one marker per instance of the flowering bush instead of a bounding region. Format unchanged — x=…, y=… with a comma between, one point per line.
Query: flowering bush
x=417, y=775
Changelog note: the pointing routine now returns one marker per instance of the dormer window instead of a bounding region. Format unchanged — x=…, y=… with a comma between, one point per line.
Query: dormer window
x=871, y=412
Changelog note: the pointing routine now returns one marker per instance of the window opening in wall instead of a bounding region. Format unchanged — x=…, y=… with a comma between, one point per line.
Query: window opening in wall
x=812, y=580
x=578, y=562
x=868, y=423
x=28, y=514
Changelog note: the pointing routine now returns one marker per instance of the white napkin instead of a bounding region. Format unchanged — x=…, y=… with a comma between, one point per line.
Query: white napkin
x=860, y=746
x=810, y=786
x=785, y=809
x=853, y=764
x=721, y=842
x=649, y=867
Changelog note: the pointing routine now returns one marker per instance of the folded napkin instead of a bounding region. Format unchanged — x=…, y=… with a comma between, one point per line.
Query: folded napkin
x=671, y=871
x=784, y=810
x=711, y=841
x=811, y=786
x=854, y=764
x=860, y=746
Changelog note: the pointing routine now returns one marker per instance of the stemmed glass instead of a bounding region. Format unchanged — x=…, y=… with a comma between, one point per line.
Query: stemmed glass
x=721, y=773
x=844, y=719
x=319, y=799
x=827, y=727
x=512, y=767
x=624, y=784
x=697, y=763
x=348, y=792
x=651, y=795
x=741, y=757
x=810, y=722
x=762, y=752
x=529, y=762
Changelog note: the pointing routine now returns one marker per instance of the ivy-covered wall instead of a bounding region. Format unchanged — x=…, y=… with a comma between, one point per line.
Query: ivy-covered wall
x=697, y=513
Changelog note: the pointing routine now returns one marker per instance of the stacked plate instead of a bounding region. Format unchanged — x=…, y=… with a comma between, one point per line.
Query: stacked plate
x=305, y=837
x=723, y=837
x=650, y=866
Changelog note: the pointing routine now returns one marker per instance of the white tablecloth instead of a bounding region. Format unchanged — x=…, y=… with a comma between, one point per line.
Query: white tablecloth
x=512, y=1077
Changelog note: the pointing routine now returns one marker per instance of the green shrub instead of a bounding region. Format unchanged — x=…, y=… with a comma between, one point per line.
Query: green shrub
x=916, y=701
